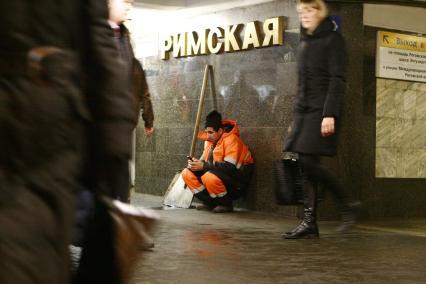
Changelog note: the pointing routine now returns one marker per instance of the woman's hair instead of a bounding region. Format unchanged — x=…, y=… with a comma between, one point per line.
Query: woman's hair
x=316, y=4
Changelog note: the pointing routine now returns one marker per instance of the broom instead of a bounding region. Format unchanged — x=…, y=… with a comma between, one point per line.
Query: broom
x=177, y=195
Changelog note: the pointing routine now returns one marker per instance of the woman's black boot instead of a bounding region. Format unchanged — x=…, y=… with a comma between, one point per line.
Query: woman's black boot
x=307, y=229
x=348, y=212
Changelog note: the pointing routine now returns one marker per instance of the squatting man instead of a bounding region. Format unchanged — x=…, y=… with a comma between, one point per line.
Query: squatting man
x=223, y=172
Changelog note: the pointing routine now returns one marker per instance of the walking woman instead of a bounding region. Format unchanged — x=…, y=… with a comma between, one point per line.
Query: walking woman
x=313, y=133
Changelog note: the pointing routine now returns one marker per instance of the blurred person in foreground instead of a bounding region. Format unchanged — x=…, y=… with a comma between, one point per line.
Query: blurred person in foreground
x=136, y=82
x=223, y=172
x=317, y=112
x=62, y=95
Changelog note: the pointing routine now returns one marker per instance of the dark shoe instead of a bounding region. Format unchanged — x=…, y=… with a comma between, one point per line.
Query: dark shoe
x=348, y=217
x=147, y=246
x=223, y=209
x=207, y=202
x=147, y=242
x=204, y=207
x=308, y=218
x=308, y=226
x=303, y=231
x=290, y=232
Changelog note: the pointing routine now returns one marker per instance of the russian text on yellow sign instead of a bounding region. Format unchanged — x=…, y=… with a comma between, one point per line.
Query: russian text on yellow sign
x=402, y=41
x=226, y=39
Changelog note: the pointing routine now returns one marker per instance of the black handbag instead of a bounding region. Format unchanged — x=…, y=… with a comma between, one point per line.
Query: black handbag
x=288, y=182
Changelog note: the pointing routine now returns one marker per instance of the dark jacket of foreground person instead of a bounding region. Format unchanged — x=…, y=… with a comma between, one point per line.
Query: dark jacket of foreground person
x=61, y=96
x=136, y=77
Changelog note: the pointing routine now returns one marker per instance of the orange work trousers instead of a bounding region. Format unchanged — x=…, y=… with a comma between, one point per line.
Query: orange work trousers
x=197, y=182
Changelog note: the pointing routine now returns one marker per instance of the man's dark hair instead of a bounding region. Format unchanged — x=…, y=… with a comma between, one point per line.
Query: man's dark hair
x=214, y=120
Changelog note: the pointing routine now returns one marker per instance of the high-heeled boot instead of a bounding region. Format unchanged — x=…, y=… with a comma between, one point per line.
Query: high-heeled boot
x=307, y=229
x=348, y=213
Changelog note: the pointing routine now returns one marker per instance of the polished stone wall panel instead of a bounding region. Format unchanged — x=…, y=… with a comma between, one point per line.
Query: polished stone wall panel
x=152, y=185
x=400, y=129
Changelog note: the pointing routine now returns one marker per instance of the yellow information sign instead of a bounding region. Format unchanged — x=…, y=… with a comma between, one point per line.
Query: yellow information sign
x=402, y=41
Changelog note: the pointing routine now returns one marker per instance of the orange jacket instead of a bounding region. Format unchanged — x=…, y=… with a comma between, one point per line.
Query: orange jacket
x=229, y=148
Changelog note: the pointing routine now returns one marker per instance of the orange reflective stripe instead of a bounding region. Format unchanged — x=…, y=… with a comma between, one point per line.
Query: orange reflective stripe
x=198, y=189
x=214, y=185
x=230, y=160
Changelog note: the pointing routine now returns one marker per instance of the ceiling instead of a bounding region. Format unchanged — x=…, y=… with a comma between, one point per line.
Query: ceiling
x=175, y=4
x=181, y=4
x=193, y=4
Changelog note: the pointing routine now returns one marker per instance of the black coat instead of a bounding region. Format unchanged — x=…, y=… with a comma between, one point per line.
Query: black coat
x=96, y=88
x=59, y=76
x=321, y=86
x=138, y=85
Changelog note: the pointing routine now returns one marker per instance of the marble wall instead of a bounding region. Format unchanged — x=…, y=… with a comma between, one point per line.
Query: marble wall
x=255, y=87
x=400, y=129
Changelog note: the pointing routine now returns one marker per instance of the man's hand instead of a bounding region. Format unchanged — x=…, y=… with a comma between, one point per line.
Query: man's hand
x=195, y=165
x=149, y=131
x=327, y=126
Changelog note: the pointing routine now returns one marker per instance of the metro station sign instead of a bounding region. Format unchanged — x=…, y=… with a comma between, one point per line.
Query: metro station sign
x=224, y=39
x=401, y=56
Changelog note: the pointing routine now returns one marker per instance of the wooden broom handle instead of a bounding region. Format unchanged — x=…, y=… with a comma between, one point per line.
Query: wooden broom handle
x=213, y=87
x=200, y=110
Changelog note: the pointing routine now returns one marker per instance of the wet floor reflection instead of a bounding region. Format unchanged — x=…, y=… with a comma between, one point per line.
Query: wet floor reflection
x=225, y=251
x=246, y=247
